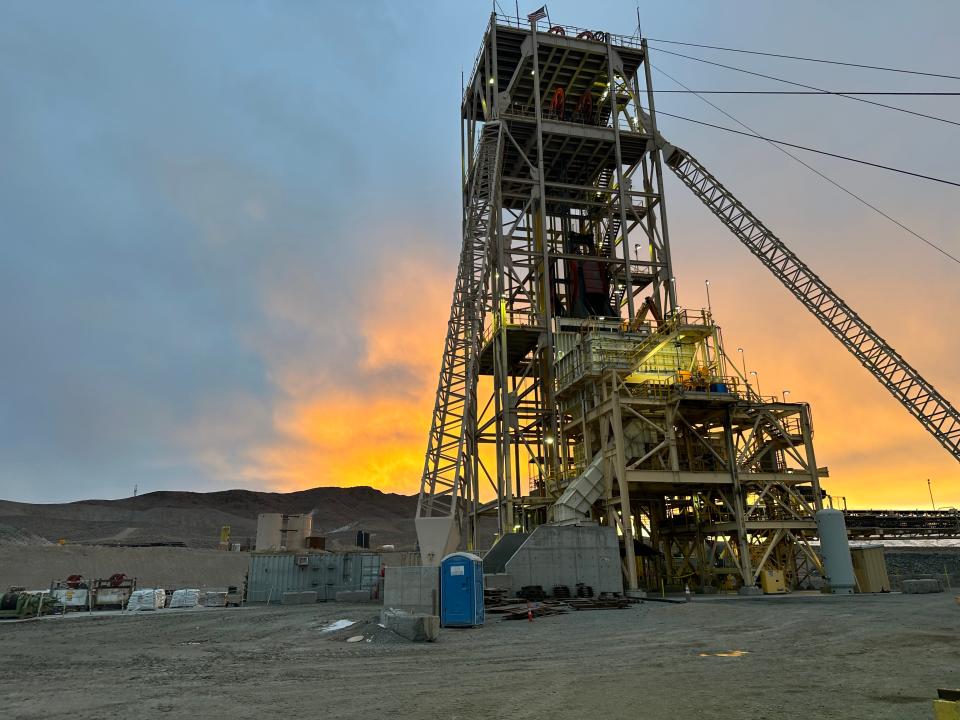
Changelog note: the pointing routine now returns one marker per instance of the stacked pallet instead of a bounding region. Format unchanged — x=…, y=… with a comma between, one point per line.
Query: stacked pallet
x=215, y=598
x=523, y=611
x=494, y=596
x=584, y=591
x=147, y=599
x=599, y=603
x=532, y=592
x=185, y=598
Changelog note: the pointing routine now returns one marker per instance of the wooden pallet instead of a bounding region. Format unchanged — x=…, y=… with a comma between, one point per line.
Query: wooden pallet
x=611, y=603
x=519, y=611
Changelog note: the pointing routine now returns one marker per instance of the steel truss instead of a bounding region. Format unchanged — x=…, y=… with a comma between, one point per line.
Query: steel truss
x=566, y=347
x=919, y=397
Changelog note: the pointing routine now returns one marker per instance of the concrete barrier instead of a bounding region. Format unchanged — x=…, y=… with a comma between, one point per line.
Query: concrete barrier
x=304, y=597
x=415, y=589
x=417, y=627
x=922, y=585
x=500, y=581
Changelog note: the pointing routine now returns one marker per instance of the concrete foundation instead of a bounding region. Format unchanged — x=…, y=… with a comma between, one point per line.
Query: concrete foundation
x=413, y=589
x=922, y=586
x=567, y=555
x=498, y=581
x=418, y=627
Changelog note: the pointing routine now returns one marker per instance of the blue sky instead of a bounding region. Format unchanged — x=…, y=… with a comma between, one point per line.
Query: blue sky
x=229, y=227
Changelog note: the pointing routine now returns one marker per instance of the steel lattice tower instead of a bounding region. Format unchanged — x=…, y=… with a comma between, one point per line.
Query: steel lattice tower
x=572, y=384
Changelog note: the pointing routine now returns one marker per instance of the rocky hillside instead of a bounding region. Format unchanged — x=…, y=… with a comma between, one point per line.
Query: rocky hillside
x=196, y=518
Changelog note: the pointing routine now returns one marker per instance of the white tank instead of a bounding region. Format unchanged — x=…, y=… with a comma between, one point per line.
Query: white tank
x=837, y=563
x=269, y=536
x=276, y=531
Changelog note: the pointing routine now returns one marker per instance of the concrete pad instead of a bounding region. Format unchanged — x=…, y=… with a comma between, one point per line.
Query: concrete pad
x=417, y=627
x=922, y=586
x=353, y=596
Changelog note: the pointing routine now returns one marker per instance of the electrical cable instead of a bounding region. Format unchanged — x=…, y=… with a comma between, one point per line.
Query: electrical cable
x=811, y=87
x=808, y=59
x=813, y=150
x=817, y=172
x=805, y=92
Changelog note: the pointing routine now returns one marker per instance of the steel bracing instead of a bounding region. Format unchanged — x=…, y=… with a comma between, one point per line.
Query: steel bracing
x=918, y=396
x=572, y=382
x=449, y=472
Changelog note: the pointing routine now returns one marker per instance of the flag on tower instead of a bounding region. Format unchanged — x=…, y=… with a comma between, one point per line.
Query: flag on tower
x=537, y=14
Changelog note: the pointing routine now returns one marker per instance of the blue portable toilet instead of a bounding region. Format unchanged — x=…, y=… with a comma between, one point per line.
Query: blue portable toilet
x=461, y=590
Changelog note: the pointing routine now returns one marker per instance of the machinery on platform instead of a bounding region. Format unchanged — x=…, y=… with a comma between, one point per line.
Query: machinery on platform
x=573, y=384
x=112, y=593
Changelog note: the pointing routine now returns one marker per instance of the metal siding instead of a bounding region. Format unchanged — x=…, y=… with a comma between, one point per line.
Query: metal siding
x=271, y=575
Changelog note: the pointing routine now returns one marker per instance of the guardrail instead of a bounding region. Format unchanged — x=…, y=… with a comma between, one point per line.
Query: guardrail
x=521, y=23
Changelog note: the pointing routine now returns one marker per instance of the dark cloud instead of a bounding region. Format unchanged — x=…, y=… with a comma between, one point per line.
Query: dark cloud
x=200, y=202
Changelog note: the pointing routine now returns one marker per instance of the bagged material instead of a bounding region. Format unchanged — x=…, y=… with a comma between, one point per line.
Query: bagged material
x=215, y=598
x=185, y=598
x=147, y=599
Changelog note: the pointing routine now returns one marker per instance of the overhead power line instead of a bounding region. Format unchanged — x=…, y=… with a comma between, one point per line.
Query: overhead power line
x=813, y=150
x=805, y=92
x=808, y=59
x=812, y=169
x=811, y=87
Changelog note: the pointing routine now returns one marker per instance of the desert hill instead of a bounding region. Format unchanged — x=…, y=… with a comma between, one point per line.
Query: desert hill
x=196, y=518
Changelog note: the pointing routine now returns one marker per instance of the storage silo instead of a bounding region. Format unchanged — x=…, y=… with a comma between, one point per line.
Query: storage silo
x=269, y=536
x=276, y=531
x=835, y=550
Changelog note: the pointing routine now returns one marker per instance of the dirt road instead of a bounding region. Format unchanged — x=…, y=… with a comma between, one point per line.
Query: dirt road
x=787, y=657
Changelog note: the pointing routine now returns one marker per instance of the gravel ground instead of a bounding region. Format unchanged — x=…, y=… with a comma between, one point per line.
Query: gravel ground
x=881, y=656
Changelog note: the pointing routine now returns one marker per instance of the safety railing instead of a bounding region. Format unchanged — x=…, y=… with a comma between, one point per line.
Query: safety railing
x=599, y=36
x=506, y=319
x=592, y=119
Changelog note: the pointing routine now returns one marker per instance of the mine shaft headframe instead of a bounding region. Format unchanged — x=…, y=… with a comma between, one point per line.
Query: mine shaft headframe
x=901, y=379
x=589, y=110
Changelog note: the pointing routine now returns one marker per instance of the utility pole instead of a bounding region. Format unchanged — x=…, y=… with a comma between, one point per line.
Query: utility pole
x=930, y=490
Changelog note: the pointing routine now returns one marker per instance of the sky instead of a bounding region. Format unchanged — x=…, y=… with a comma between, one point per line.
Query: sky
x=230, y=232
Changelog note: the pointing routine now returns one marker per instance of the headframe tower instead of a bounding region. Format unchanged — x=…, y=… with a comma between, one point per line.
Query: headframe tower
x=573, y=385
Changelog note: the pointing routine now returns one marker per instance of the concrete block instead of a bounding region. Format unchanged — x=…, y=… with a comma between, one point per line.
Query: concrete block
x=415, y=589
x=418, y=627
x=750, y=590
x=356, y=596
x=499, y=581
x=305, y=597
x=922, y=586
